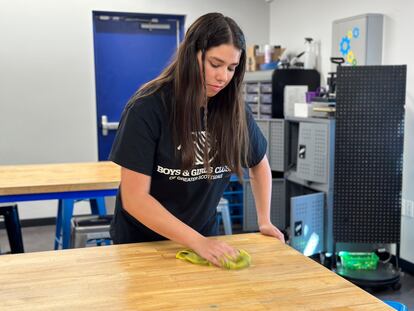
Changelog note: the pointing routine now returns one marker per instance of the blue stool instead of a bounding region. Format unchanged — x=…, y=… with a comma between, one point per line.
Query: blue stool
x=64, y=217
x=396, y=305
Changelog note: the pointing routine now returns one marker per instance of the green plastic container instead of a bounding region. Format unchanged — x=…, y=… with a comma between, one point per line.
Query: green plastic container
x=359, y=261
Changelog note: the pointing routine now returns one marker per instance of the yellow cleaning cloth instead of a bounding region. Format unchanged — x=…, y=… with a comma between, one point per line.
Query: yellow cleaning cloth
x=242, y=260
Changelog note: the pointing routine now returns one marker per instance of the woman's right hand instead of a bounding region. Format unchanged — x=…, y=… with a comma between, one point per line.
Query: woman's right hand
x=215, y=251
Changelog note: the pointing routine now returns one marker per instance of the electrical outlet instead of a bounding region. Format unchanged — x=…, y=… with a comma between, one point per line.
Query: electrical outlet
x=407, y=208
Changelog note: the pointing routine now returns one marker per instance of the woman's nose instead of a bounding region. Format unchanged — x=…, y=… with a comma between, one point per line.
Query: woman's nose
x=221, y=75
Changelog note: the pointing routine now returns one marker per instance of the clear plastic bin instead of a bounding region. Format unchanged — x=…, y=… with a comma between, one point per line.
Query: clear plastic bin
x=359, y=261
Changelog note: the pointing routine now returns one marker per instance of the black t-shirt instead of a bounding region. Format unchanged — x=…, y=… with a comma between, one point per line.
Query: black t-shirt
x=144, y=144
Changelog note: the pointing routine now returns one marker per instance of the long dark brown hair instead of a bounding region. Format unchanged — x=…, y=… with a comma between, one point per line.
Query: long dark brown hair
x=224, y=116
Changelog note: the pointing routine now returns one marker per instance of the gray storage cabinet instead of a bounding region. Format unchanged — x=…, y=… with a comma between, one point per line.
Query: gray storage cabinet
x=310, y=170
x=306, y=221
x=278, y=206
x=275, y=133
x=313, y=145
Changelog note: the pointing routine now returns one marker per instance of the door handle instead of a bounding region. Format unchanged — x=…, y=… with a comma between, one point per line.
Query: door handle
x=106, y=126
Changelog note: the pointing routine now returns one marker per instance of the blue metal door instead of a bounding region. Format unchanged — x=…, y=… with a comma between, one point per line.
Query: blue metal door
x=130, y=49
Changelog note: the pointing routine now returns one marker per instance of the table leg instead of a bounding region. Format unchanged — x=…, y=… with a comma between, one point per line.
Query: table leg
x=14, y=231
x=66, y=219
x=98, y=206
x=58, y=234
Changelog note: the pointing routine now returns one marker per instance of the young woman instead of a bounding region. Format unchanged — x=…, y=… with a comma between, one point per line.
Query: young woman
x=180, y=138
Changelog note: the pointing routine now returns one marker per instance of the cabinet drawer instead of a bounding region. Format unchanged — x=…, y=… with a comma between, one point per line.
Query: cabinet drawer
x=251, y=98
x=254, y=107
x=252, y=88
x=266, y=109
x=266, y=98
x=266, y=88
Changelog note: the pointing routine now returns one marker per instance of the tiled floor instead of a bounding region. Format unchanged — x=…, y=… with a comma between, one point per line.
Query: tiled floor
x=41, y=239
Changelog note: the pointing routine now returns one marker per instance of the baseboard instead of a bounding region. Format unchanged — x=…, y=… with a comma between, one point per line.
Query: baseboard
x=407, y=266
x=36, y=222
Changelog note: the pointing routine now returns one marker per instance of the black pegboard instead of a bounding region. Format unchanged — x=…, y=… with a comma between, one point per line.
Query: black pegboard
x=368, y=153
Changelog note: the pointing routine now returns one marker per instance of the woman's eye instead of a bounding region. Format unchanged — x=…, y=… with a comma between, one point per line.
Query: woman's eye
x=214, y=65
x=231, y=69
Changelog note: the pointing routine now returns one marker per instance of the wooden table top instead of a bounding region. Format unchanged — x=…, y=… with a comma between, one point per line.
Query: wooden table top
x=46, y=178
x=146, y=276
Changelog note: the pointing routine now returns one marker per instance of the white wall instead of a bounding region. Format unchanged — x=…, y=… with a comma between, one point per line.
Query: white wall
x=292, y=20
x=47, y=82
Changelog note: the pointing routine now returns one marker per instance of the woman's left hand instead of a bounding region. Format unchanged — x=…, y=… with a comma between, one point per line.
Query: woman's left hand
x=270, y=230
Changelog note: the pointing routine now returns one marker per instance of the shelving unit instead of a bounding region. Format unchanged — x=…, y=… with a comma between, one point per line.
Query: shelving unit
x=301, y=151
x=258, y=93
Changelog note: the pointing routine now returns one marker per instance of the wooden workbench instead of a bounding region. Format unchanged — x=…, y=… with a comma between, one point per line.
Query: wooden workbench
x=65, y=182
x=147, y=276
x=63, y=177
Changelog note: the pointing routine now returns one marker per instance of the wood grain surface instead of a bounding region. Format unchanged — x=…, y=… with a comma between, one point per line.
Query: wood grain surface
x=146, y=276
x=46, y=178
